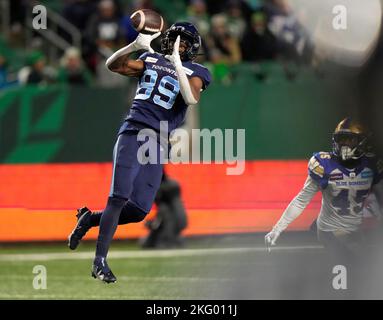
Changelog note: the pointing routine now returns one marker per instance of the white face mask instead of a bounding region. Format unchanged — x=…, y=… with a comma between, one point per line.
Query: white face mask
x=347, y=153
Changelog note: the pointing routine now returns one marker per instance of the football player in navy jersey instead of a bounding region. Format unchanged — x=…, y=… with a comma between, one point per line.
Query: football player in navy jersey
x=169, y=82
x=345, y=177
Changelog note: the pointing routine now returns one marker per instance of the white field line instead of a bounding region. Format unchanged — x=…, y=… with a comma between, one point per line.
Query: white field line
x=132, y=279
x=166, y=279
x=44, y=296
x=147, y=253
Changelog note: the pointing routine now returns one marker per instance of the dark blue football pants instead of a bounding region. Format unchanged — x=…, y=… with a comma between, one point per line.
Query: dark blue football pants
x=133, y=188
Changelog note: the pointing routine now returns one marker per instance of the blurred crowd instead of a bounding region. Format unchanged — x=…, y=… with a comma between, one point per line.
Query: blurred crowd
x=232, y=31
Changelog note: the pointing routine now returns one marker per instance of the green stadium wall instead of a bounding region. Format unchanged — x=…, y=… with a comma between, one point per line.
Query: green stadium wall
x=283, y=120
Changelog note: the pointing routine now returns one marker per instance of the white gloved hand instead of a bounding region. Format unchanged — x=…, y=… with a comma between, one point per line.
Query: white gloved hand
x=143, y=41
x=271, y=238
x=175, y=58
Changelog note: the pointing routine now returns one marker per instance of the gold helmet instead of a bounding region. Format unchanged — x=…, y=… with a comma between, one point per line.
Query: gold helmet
x=350, y=140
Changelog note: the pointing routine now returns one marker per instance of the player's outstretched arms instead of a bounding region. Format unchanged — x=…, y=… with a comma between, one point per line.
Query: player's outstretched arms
x=120, y=61
x=190, y=88
x=294, y=209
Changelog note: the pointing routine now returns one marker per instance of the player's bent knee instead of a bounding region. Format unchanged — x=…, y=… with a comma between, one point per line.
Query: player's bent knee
x=116, y=202
x=132, y=213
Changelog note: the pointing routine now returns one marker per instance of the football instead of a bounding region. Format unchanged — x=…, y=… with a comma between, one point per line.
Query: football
x=147, y=21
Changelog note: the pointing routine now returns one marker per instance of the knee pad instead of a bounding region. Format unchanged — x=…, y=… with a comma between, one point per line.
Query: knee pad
x=132, y=213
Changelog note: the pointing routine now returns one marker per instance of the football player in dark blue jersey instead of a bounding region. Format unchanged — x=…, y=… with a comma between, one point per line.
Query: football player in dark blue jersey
x=169, y=82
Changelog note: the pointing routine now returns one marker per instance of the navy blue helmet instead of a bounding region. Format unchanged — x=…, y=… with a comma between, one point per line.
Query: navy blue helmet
x=189, y=35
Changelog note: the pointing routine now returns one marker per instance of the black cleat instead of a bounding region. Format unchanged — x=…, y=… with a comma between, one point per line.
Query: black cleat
x=101, y=270
x=82, y=227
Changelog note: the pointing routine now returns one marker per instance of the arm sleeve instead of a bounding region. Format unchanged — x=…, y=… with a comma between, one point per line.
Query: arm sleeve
x=317, y=172
x=185, y=88
x=298, y=204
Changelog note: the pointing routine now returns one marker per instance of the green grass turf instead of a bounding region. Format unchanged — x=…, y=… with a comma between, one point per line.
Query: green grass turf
x=292, y=273
x=215, y=274
x=191, y=277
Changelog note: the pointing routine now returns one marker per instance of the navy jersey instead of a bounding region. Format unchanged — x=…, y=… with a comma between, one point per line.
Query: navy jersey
x=158, y=96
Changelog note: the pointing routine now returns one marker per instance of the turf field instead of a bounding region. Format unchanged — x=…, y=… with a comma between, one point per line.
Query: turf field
x=231, y=267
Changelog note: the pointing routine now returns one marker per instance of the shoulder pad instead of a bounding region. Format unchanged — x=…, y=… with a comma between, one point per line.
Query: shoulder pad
x=323, y=155
x=315, y=167
x=200, y=71
x=151, y=56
